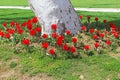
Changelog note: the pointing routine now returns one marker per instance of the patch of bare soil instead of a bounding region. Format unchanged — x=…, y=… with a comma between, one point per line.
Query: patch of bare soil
x=0, y=62
x=15, y=75
x=37, y=77
x=118, y=50
x=6, y=73
x=115, y=55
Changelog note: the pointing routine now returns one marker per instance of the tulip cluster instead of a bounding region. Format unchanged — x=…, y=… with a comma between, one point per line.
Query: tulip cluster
x=90, y=39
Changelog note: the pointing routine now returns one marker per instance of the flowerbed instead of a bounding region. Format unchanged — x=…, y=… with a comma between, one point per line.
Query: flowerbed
x=94, y=38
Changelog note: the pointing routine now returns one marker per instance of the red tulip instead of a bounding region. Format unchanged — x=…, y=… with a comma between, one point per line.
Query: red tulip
x=95, y=37
x=86, y=47
x=51, y=51
x=54, y=35
x=83, y=28
x=65, y=47
x=17, y=27
x=80, y=16
x=96, y=19
x=116, y=35
x=4, y=24
x=60, y=38
x=105, y=21
x=74, y=40
x=34, y=20
x=118, y=29
x=29, y=21
x=20, y=31
x=112, y=25
x=44, y=36
x=26, y=41
x=88, y=17
x=29, y=26
x=7, y=35
x=54, y=26
x=72, y=49
x=2, y=34
x=102, y=35
x=12, y=23
x=24, y=24
x=59, y=43
x=68, y=32
x=108, y=42
x=45, y=45
x=16, y=23
x=96, y=45
x=91, y=30
x=38, y=29
x=32, y=32
x=10, y=31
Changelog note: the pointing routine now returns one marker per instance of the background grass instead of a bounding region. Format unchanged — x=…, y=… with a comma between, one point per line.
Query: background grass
x=76, y=3
x=8, y=15
x=13, y=2
x=100, y=67
x=96, y=3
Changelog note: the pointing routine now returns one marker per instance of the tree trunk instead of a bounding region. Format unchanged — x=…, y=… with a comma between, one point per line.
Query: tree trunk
x=58, y=12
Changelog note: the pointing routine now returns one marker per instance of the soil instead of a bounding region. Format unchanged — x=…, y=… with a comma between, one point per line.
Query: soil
x=7, y=73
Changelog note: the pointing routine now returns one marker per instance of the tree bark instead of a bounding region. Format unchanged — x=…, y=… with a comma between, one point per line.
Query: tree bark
x=59, y=12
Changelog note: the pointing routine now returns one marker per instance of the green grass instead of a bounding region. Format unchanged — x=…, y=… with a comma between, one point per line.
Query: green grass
x=96, y=3
x=8, y=15
x=110, y=17
x=13, y=2
x=100, y=67
x=92, y=68
x=76, y=3
x=13, y=64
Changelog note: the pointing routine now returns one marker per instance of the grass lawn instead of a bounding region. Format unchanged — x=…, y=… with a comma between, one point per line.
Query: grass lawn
x=96, y=3
x=76, y=3
x=22, y=15
x=97, y=67
x=13, y=3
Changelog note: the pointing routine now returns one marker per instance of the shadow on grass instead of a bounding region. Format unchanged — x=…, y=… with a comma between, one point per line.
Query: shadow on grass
x=101, y=25
x=116, y=22
x=22, y=15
